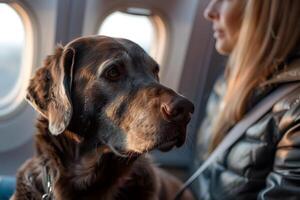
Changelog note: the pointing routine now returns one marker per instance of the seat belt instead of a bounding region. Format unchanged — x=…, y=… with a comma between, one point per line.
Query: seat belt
x=238, y=130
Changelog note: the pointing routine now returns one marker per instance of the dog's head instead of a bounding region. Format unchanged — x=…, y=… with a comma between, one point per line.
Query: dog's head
x=107, y=92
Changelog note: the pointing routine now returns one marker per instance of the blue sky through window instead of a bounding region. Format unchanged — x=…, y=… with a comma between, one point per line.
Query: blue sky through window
x=12, y=38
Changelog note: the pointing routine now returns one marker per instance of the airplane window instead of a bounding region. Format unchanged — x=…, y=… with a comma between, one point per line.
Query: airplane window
x=12, y=43
x=137, y=28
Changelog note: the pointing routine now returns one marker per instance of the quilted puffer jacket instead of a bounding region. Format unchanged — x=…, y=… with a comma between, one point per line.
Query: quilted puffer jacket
x=264, y=164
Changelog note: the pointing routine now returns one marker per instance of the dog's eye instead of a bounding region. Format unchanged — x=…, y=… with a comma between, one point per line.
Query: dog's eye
x=113, y=73
x=155, y=70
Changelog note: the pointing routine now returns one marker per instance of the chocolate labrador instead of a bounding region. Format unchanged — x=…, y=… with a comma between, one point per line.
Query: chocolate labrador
x=101, y=109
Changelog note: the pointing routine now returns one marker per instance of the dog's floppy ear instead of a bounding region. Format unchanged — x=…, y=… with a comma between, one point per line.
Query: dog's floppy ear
x=49, y=89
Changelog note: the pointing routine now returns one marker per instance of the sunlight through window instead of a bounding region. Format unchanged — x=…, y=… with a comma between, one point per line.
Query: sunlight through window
x=12, y=41
x=137, y=28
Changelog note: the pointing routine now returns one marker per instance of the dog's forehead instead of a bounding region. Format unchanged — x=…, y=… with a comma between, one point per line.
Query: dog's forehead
x=103, y=48
x=138, y=58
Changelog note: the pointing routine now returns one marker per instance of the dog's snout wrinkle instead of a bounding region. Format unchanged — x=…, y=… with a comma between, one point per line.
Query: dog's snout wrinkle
x=155, y=91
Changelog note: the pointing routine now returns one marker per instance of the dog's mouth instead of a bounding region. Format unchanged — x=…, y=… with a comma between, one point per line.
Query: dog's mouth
x=168, y=144
x=165, y=140
x=164, y=145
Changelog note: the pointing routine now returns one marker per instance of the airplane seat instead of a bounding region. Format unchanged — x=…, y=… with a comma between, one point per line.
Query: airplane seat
x=7, y=187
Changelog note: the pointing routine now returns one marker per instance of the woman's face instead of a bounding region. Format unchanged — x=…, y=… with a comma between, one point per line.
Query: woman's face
x=226, y=18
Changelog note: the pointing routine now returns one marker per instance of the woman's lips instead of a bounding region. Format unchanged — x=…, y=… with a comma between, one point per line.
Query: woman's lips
x=218, y=34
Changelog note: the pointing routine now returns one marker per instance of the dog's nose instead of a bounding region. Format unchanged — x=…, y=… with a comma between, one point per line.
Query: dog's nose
x=178, y=109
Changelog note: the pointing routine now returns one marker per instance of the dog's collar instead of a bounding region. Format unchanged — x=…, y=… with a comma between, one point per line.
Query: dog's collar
x=47, y=184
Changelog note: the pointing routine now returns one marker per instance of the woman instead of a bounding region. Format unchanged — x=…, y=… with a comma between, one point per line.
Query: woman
x=262, y=39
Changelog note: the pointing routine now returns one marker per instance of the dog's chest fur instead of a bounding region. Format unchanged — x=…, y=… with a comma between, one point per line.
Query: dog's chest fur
x=93, y=176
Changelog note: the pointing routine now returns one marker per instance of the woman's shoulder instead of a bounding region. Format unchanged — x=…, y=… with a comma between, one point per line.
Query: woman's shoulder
x=289, y=105
x=289, y=73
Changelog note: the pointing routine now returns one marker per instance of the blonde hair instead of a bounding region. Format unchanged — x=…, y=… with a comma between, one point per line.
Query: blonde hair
x=270, y=31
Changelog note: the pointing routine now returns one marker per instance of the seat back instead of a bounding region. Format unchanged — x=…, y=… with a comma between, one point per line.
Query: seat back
x=7, y=187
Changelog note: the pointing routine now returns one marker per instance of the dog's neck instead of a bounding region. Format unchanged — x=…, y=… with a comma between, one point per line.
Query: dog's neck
x=81, y=168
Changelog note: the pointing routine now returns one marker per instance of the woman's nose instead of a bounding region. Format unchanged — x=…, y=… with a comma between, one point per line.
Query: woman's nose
x=211, y=12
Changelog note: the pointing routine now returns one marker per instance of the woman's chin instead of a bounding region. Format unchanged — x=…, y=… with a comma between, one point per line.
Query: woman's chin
x=222, y=47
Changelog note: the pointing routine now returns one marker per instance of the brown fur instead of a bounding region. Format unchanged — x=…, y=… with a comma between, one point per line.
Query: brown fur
x=102, y=108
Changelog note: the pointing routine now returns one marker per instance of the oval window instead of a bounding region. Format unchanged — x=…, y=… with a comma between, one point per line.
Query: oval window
x=13, y=68
x=12, y=40
x=137, y=28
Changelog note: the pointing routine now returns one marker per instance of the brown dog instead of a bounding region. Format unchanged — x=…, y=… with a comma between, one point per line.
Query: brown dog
x=102, y=108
